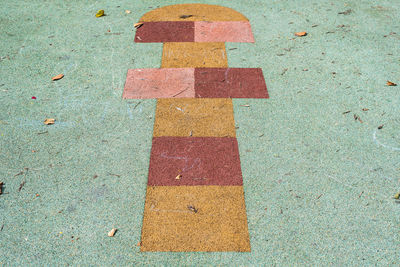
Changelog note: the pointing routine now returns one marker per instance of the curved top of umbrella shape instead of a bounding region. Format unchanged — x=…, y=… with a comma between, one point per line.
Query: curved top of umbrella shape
x=193, y=12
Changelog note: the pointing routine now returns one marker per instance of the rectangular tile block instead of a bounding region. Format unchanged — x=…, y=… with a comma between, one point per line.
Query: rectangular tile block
x=198, y=117
x=159, y=83
x=194, y=55
x=165, y=31
x=230, y=83
x=223, y=31
x=194, y=161
x=195, y=218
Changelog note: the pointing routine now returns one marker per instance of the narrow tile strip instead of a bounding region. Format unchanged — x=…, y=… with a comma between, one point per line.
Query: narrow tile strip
x=194, y=55
x=193, y=12
x=205, y=117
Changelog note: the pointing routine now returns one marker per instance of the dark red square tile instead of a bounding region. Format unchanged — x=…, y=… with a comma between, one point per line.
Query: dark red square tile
x=230, y=83
x=165, y=31
x=194, y=161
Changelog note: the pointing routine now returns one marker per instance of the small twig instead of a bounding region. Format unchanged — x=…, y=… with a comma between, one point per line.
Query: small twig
x=180, y=92
x=347, y=12
x=360, y=194
x=319, y=196
x=20, y=186
x=185, y=16
x=43, y=132
x=1, y=188
x=346, y=112
x=356, y=117
x=1, y=229
x=201, y=178
x=113, y=174
x=137, y=105
x=21, y=172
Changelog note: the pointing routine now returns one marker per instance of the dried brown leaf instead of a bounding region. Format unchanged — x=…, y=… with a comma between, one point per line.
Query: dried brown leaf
x=300, y=34
x=185, y=16
x=49, y=121
x=389, y=83
x=57, y=77
x=112, y=232
x=138, y=25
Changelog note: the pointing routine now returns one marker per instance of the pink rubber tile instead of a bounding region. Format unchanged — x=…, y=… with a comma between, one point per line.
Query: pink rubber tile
x=223, y=31
x=159, y=83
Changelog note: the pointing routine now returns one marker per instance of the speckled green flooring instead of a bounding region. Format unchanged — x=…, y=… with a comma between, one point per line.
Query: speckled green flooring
x=319, y=185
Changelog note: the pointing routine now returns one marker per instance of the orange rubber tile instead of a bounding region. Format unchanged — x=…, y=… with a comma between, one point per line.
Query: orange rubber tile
x=193, y=12
x=199, y=117
x=195, y=218
x=194, y=55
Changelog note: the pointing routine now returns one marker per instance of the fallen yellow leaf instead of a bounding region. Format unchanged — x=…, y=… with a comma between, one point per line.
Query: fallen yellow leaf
x=49, y=121
x=300, y=34
x=127, y=11
x=58, y=77
x=100, y=13
x=389, y=83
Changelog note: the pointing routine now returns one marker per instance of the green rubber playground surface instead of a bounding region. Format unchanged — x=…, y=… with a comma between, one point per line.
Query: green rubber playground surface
x=319, y=176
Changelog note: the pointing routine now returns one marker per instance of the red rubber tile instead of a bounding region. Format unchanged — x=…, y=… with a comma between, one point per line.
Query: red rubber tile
x=178, y=161
x=165, y=31
x=223, y=31
x=159, y=83
x=229, y=83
